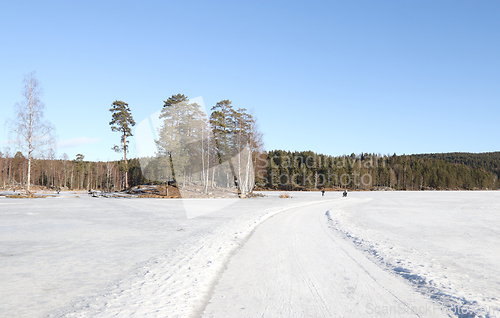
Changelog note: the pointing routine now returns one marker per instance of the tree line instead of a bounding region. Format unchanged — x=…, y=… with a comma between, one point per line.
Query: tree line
x=490, y=161
x=285, y=170
x=66, y=174
x=275, y=170
x=222, y=150
x=214, y=151
x=190, y=148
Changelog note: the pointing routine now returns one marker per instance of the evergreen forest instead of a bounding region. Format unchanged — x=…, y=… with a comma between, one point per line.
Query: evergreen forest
x=285, y=170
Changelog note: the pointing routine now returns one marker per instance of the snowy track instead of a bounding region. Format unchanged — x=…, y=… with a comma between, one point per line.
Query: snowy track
x=294, y=265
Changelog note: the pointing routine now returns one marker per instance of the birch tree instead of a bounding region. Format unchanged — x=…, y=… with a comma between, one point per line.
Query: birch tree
x=34, y=134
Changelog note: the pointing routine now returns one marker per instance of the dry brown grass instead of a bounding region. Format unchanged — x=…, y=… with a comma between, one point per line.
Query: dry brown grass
x=25, y=196
x=158, y=192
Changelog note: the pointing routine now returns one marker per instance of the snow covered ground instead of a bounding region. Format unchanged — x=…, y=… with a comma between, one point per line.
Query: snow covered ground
x=74, y=255
x=294, y=265
x=447, y=244
x=78, y=256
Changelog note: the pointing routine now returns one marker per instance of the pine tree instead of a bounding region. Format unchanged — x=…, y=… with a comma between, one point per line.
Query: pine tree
x=222, y=122
x=181, y=137
x=122, y=122
x=237, y=142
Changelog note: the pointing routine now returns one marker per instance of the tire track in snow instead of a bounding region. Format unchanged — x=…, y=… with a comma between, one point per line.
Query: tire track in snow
x=320, y=301
x=329, y=234
x=315, y=273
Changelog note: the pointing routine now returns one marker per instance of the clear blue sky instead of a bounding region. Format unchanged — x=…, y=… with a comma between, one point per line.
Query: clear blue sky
x=334, y=77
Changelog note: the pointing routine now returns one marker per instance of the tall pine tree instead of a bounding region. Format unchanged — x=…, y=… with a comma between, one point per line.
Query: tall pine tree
x=122, y=122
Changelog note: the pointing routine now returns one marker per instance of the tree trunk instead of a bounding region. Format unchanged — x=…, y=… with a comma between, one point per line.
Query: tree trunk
x=29, y=174
x=208, y=167
x=125, y=156
x=213, y=177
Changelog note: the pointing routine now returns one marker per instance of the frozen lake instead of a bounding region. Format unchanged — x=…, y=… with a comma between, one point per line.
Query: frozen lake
x=66, y=254
x=446, y=243
x=85, y=256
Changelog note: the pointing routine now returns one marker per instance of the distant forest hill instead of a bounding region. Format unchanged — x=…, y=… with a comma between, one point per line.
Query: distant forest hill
x=281, y=170
x=490, y=161
x=307, y=170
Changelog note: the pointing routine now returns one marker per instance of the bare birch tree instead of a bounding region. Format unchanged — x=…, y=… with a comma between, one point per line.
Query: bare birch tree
x=34, y=134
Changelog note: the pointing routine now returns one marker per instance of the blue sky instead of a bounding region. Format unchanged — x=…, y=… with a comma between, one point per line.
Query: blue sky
x=335, y=77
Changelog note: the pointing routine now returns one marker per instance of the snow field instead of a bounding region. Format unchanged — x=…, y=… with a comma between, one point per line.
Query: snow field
x=86, y=257
x=177, y=284
x=72, y=256
x=444, y=243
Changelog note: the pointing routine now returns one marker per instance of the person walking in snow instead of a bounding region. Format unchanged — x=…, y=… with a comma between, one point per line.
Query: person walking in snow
x=322, y=192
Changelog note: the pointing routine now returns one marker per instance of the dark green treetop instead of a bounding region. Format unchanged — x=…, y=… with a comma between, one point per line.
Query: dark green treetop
x=174, y=99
